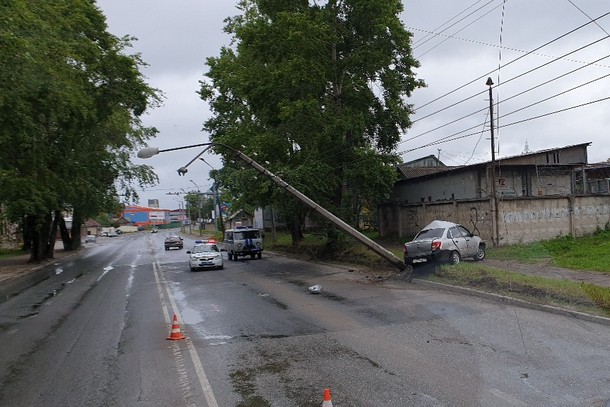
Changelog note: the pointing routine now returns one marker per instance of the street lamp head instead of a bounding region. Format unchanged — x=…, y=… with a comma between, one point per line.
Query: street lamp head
x=182, y=170
x=148, y=152
x=489, y=81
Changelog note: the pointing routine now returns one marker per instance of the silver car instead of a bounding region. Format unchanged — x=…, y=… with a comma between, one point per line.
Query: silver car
x=443, y=241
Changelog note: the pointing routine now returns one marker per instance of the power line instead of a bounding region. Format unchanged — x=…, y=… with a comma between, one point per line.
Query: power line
x=518, y=110
x=511, y=79
x=461, y=29
x=514, y=60
x=509, y=98
x=455, y=136
x=430, y=34
x=579, y=9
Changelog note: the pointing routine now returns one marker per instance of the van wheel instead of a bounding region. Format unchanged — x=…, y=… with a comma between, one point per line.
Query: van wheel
x=259, y=255
x=454, y=257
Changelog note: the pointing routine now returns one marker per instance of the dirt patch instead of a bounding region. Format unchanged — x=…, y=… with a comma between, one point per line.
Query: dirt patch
x=546, y=270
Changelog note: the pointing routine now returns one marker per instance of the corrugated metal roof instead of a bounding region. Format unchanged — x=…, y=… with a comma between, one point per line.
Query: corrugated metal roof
x=408, y=172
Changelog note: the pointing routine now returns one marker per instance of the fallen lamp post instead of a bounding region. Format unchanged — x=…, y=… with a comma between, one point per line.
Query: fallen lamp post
x=148, y=152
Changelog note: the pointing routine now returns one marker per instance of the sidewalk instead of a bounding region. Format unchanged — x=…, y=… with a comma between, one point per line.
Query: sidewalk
x=16, y=274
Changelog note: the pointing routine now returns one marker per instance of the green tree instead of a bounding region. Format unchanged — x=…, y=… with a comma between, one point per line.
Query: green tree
x=70, y=107
x=318, y=92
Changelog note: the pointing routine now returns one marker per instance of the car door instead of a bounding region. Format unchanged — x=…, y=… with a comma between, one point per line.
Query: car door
x=459, y=240
x=471, y=243
x=228, y=242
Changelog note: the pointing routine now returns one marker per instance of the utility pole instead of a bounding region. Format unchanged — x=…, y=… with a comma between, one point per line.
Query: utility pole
x=148, y=152
x=494, y=196
x=200, y=204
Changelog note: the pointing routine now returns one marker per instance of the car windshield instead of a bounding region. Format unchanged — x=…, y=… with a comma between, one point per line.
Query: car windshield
x=205, y=248
x=430, y=234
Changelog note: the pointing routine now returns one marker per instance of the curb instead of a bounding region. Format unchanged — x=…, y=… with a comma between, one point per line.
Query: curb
x=514, y=301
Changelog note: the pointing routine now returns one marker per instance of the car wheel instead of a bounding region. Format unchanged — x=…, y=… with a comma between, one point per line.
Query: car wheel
x=480, y=254
x=252, y=256
x=230, y=256
x=259, y=255
x=192, y=269
x=454, y=257
x=220, y=267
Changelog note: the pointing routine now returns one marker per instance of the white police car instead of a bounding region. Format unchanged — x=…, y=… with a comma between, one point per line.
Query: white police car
x=205, y=255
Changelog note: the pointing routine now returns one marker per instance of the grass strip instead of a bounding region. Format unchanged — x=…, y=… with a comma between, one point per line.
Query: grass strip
x=7, y=253
x=584, y=297
x=590, y=252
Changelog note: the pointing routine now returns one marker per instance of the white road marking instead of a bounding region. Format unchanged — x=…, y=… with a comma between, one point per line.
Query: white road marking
x=106, y=270
x=203, y=379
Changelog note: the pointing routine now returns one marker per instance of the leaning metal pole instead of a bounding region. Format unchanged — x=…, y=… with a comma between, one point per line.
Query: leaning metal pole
x=375, y=247
x=148, y=152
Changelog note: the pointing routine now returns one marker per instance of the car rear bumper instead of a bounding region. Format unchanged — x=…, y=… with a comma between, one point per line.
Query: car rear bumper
x=440, y=256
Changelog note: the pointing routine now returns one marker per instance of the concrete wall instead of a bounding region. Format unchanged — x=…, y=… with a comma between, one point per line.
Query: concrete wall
x=520, y=220
x=406, y=220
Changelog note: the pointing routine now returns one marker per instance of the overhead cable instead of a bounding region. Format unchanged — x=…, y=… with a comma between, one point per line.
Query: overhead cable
x=514, y=60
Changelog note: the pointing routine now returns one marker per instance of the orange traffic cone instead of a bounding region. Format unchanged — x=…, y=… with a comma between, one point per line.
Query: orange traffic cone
x=175, y=334
x=327, y=401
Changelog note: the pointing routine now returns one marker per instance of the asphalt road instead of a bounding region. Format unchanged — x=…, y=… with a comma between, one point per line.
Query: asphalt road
x=95, y=334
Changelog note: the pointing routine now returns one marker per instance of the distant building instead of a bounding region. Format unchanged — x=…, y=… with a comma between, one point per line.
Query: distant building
x=177, y=215
x=146, y=216
x=153, y=203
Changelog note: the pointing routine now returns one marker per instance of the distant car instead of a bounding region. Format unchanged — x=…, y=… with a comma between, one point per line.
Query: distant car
x=113, y=234
x=173, y=242
x=119, y=232
x=443, y=241
x=90, y=239
x=205, y=255
x=154, y=230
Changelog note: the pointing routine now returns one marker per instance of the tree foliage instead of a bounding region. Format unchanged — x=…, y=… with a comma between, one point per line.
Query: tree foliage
x=70, y=107
x=317, y=91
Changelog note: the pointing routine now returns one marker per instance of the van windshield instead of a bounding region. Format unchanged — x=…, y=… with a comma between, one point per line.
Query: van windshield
x=246, y=234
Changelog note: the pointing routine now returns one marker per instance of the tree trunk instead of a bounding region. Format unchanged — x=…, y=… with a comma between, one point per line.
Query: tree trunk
x=65, y=234
x=40, y=228
x=26, y=232
x=50, y=248
x=75, y=238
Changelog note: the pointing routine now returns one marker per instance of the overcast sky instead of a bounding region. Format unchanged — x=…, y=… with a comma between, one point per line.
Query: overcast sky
x=541, y=56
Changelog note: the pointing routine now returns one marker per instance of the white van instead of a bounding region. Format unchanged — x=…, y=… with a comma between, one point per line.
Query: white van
x=243, y=241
